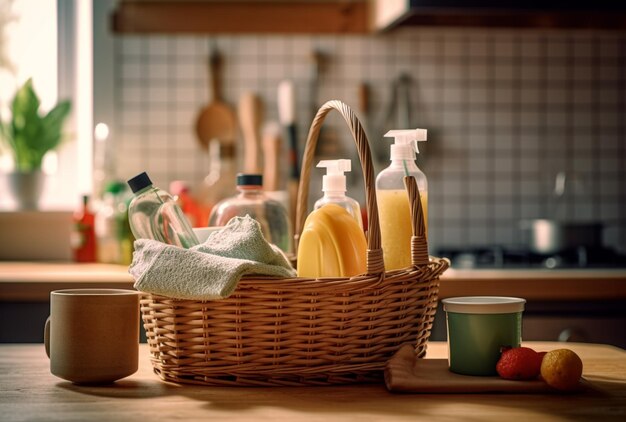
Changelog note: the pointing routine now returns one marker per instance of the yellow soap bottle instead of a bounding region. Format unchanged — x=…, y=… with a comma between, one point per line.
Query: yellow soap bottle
x=393, y=201
x=332, y=244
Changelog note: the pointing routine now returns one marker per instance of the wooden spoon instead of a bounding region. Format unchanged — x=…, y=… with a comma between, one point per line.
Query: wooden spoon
x=216, y=120
x=250, y=110
x=287, y=117
x=272, y=146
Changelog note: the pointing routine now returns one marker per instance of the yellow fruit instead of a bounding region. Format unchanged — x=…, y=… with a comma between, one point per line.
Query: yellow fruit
x=562, y=369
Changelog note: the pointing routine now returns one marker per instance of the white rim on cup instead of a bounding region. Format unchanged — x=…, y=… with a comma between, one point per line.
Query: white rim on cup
x=483, y=305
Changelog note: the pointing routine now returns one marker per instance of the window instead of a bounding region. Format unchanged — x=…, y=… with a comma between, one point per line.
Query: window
x=51, y=41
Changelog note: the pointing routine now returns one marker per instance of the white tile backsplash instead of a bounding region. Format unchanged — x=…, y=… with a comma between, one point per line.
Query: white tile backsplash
x=506, y=110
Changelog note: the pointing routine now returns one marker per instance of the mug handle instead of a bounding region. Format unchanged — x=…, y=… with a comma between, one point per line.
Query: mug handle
x=46, y=337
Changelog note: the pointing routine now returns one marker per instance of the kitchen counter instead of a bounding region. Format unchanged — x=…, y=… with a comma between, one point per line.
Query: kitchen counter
x=536, y=284
x=33, y=281
x=29, y=392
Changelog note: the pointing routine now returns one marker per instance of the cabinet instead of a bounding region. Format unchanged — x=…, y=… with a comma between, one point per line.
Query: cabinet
x=604, y=14
x=585, y=322
x=253, y=17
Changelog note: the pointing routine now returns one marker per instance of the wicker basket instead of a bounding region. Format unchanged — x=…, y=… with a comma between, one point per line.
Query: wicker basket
x=299, y=331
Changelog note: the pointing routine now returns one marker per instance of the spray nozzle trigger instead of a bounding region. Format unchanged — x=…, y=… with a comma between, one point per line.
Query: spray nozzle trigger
x=409, y=137
x=336, y=166
x=335, y=179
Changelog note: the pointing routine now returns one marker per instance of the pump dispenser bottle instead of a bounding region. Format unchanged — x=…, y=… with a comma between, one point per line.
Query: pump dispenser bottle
x=334, y=188
x=393, y=201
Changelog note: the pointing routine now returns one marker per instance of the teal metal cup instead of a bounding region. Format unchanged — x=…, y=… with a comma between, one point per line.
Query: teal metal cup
x=478, y=328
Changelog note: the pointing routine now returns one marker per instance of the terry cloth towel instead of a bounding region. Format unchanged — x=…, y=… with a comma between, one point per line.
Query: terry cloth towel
x=210, y=270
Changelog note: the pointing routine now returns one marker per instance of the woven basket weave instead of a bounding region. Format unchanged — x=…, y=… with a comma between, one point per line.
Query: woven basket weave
x=300, y=331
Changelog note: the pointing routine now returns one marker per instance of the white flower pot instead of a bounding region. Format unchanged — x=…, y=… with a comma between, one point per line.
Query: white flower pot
x=26, y=188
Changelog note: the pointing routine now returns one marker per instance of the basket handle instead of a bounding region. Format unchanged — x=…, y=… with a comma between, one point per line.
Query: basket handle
x=375, y=264
x=419, y=243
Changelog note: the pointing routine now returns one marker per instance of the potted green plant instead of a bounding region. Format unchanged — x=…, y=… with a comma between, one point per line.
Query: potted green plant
x=30, y=135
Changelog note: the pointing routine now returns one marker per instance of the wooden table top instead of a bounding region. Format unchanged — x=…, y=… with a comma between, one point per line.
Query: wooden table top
x=28, y=392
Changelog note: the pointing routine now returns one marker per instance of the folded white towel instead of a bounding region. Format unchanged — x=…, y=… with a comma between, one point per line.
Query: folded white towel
x=210, y=270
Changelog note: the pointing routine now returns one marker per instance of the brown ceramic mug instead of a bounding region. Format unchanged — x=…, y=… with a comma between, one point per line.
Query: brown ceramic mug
x=92, y=335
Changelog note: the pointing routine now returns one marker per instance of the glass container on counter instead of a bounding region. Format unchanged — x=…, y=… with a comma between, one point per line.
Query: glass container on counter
x=111, y=225
x=154, y=214
x=252, y=201
x=83, y=236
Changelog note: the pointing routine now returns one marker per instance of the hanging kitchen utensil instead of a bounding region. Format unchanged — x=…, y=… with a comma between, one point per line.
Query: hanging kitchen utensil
x=273, y=172
x=398, y=112
x=558, y=194
x=364, y=101
x=328, y=145
x=403, y=88
x=287, y=117
x=250, y=110
x=216, y=120
x=272, y=147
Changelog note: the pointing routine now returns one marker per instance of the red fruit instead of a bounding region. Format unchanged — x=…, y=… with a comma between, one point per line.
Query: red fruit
x=519, y=363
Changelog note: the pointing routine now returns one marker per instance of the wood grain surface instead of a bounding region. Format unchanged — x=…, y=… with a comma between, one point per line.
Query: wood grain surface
x=28, y=392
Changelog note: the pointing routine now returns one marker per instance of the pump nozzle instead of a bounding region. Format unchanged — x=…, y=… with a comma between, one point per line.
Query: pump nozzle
x=405, y=144
x=335, y=180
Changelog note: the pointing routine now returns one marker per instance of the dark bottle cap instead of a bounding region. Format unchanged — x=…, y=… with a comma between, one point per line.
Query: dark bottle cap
x=249, y=179
x=139, y=182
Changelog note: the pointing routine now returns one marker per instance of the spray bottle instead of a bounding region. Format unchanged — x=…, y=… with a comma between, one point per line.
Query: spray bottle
x=393, y=201
x=334, y=188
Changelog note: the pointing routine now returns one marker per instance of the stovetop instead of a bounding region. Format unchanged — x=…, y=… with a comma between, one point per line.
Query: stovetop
x=518, y=257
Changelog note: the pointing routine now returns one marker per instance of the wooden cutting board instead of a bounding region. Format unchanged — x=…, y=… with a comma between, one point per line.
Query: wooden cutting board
x=405, y=373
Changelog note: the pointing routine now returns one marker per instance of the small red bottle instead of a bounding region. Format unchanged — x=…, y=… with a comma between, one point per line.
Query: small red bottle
x=83, y=239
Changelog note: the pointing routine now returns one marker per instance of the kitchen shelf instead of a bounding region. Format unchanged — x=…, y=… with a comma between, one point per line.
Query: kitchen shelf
x=194, y=17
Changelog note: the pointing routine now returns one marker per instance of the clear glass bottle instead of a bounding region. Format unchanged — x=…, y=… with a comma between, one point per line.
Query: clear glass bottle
x=393, y=200
x=181, y=192
x=83, y=236
x=154, y=214
x=124, y=232
x=109, y=249
x=219, y=184
x=252, y=201
x=111, y=225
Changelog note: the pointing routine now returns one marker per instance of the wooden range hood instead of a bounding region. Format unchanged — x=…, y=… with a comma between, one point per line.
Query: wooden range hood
x=356, y=16
x=598, y=14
